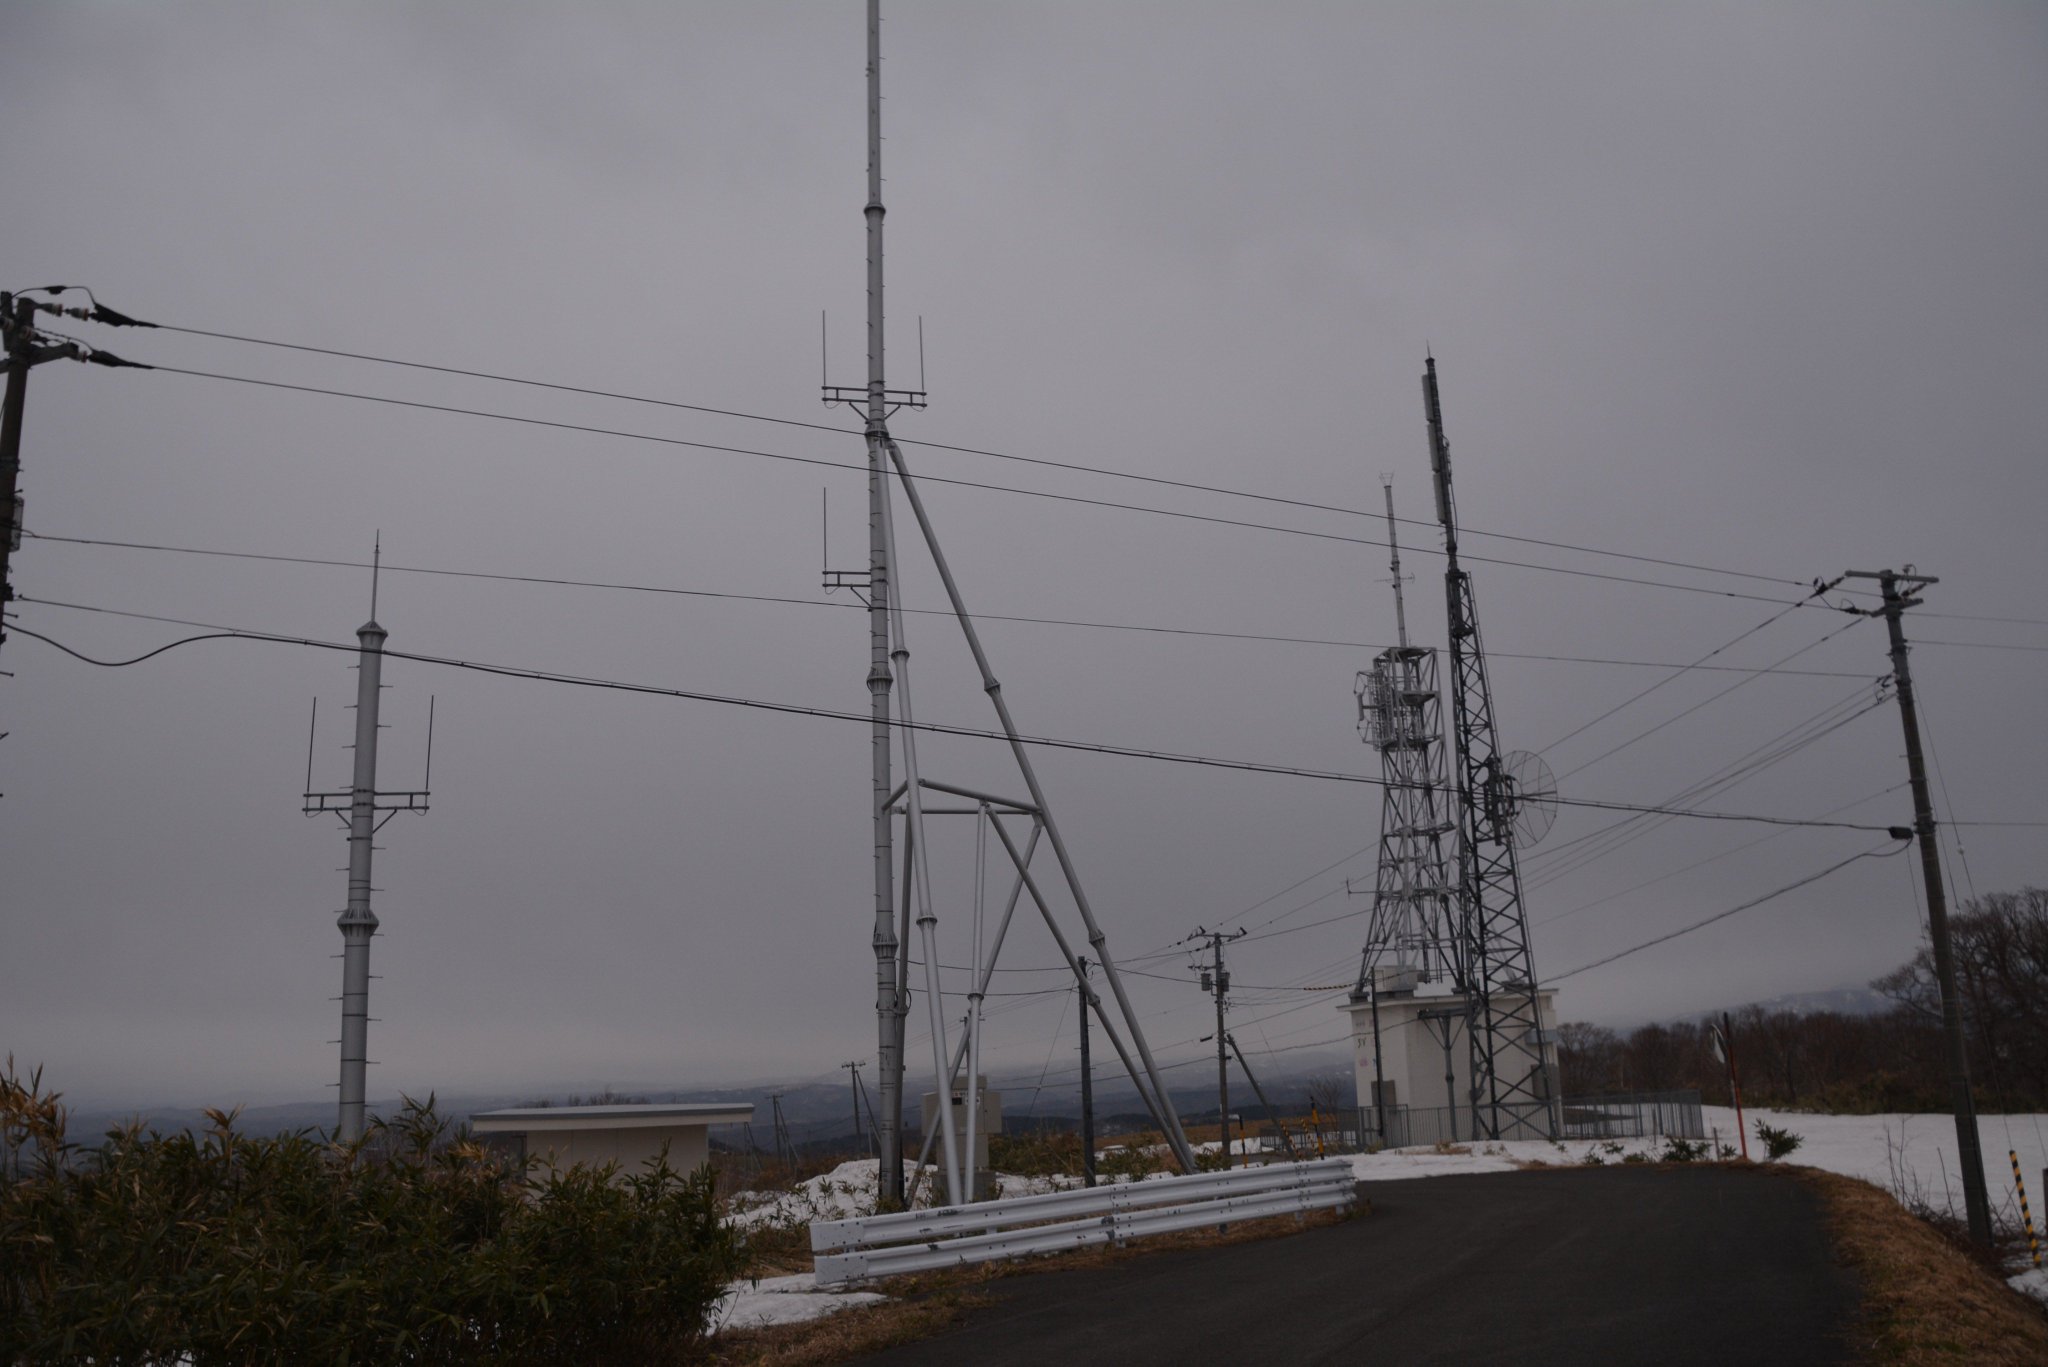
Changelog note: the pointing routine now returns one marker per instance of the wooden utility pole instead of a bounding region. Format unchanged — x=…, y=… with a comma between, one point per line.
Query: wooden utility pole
x=1969, y=1151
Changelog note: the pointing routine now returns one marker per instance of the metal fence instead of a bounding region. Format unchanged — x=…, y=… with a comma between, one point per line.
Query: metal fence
x=1622, y=1115
x=1634, y=1115
x=920, y=1240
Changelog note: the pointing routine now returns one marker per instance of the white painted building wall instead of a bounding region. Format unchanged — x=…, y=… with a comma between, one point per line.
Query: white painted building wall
x=1412, y=1052
x=631, y=1136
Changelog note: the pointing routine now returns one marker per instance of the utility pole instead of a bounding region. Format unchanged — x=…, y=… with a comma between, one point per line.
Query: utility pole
x=26, y=348
x=784, y=1145
x=1969, y=1152
x=853, y=1068
x=17, y=315
x=1217, y=979
x=1087, y=1095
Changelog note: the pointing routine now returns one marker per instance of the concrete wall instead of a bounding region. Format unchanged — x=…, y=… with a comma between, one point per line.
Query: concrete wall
x=631, y=1148
x=1412, y=1051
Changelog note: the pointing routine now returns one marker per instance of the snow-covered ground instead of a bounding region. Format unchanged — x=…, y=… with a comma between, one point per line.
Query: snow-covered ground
x=783, y=1300
x=1912, y=1156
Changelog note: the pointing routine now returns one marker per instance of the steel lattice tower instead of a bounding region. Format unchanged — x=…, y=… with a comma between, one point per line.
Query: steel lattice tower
x=1511, y=1086
x=1414, y=923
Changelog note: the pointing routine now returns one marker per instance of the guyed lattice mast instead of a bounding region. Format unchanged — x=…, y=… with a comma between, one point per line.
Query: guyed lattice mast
x=890, y=703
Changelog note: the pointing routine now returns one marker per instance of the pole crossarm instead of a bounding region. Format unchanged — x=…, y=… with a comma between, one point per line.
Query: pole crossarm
x=379, y=802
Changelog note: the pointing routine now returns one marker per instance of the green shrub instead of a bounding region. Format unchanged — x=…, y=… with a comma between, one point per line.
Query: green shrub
x=1777, y=1143
x=1678, y=1150
x=413, y=1245
x=1039, y=1153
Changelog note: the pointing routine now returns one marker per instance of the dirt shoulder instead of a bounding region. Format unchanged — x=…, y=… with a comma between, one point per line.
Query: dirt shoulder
x=1924, y=1300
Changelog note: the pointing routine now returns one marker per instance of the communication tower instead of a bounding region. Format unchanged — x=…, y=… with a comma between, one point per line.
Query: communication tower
x=1504, y=800
x=1413, y=933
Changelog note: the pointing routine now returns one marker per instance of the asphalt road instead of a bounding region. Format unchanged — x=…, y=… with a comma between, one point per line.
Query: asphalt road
x=1578, y=1265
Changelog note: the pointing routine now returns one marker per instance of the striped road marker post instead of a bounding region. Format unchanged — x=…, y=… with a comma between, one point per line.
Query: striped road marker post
x=2019, y=1184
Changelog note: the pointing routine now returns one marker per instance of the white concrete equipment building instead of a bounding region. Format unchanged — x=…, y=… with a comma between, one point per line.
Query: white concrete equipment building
x=1420, y=1041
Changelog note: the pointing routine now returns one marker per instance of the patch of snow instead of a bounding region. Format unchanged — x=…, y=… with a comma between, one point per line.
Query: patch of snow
x=782, y=1300
x=1393, y=1165
x=1913, y=1156
x=848, y=1190
x=2032, y=1282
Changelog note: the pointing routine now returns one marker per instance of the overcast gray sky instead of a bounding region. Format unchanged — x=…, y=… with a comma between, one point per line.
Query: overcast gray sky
x=1755, y=286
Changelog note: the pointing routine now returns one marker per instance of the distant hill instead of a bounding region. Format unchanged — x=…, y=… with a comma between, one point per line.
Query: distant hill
x=1846, y=1001
x=813, y=1112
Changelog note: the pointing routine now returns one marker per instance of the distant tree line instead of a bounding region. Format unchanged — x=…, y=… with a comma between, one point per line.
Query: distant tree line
x=1891, y=1061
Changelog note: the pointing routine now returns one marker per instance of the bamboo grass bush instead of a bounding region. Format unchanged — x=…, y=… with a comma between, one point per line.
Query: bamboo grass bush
x=413, y=1245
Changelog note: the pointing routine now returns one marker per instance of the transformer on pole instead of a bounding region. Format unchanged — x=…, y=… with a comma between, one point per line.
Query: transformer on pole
x=359, y=808
x=1512, y=1091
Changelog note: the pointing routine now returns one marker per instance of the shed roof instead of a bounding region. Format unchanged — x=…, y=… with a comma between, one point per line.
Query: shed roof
x=638, y=1116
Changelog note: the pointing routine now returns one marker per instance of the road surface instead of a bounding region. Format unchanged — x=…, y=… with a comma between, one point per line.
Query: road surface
x=1716, y=1266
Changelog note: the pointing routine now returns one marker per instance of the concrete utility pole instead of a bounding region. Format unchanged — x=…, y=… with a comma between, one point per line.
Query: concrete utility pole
x=18, y=317
x=1087, y=1096
x=1969, y=1152
x=23, y=347
x=26, y=348
x=853, y=1068
x=1217, y=979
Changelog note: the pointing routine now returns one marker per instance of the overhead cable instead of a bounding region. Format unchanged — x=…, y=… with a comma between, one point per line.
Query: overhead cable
x=214, y=632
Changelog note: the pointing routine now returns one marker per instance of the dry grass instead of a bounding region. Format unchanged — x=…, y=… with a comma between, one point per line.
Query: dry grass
x=1924, y=1300
x=912, y=1313
x=928, y=1303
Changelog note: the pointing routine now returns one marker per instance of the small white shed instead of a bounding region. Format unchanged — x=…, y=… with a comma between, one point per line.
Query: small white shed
x=629, y=1135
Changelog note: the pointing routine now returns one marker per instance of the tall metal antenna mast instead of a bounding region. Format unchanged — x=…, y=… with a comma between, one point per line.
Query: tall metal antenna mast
x=1512, y=1090
x=890, y=708
x=358, y=808
x=1394, y=562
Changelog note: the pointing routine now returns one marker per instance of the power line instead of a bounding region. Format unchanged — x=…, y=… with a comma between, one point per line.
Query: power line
x=1707, y=701
x=1710, y=859
x=962, y=450
x=1077, y=467
x=1724, y=915
x=562, y=582
x=214, y=631
x=1612, y=837
x=593, y=430
x=1680, y=672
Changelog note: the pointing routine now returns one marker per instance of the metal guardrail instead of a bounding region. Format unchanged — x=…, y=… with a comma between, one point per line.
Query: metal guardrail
x=920, y=1240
